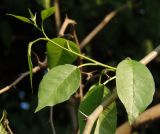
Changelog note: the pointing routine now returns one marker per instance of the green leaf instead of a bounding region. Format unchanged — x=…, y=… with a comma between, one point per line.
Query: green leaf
x=44, y=3
x=31, y=14
x=47, y=13
x=24, y=19
x=91, y=100
x=58, y=85
x=135, y=87
x=58, y=56
x=107, y=121
x=30, y=63
x=33, y=17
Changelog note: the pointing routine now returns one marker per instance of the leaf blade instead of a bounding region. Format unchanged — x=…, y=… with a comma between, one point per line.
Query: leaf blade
x=47, y=13
x=107, y=120
x=58, y=85
x=58, y=56
x=135, y=87
x=24, y=19
x=89, y=104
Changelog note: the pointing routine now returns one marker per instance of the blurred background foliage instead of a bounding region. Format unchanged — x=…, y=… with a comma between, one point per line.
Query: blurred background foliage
x=134, y=32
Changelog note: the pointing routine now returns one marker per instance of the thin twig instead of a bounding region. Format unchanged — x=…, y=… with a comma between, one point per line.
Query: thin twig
x=8, y=127
x=95, y=114
x=51, y=120
x=23, y=75
x=99, y=27
x=150, y=114
x=80, y=90
x=57, y=15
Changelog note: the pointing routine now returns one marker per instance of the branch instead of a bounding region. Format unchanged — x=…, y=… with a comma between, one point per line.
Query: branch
x=65, y=24
x=95, y=114
x=99, y=27
x=23, y=75
x=147, y=116
x=57, y=15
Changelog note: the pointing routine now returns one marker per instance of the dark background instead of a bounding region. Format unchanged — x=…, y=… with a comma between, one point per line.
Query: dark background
x=134, y=32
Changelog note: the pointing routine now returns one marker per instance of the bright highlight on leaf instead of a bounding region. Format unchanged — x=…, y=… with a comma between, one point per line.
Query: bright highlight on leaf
x=47, y=13
x=58, y=85
x=58, y=56
x=135, y=87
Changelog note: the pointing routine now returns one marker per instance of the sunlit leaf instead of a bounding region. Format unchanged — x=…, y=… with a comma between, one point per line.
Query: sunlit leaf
x=135, y=87
x=58, y=56
x=58, y=85
x=47, y=13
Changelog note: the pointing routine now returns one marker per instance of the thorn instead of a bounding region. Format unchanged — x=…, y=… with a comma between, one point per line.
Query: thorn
x=85, y=116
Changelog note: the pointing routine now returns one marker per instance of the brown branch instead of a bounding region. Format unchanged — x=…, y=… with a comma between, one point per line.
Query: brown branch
x=147, y=116
x=99, y=27
x=95, y=114
x=65, y=24
x=80, y=90
x=23, y=75
x=151, y=56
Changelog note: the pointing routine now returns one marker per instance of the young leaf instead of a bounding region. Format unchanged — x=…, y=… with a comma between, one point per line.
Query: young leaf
x=47, y=13
x=30, y=62
x=135, y=87
x=91, y=100
x=107, y=121
x=33, y=17
x=24, y=19
x=58, y=85
x=58, y=56
x=31, y=14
